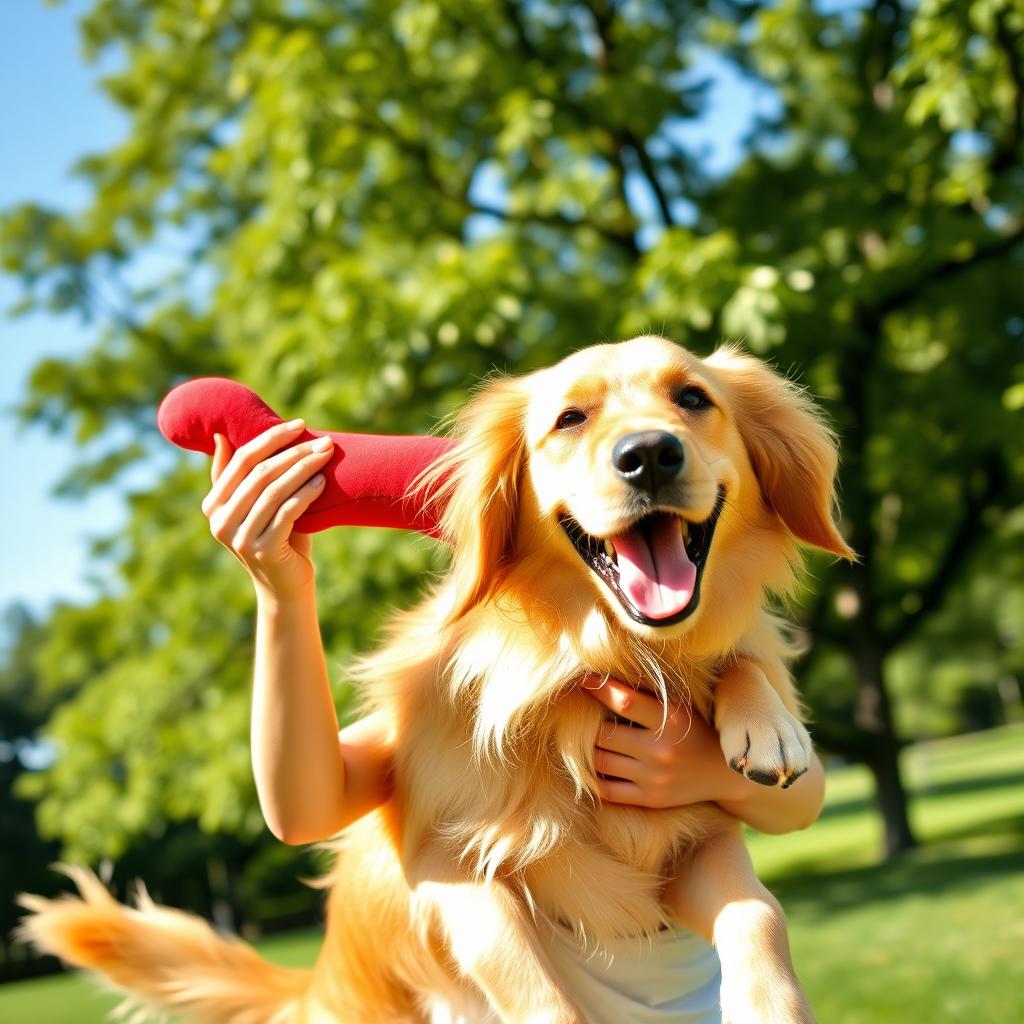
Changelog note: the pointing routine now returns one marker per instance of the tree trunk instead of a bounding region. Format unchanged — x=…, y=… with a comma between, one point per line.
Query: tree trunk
x=873, y=714
x=220, y=892
x=873, y=709
x=891, y=799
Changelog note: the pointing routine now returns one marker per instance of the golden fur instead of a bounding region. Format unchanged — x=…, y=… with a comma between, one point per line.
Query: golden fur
x=494, y=830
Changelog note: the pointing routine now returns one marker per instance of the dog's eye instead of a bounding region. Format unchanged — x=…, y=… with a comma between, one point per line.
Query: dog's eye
x=693, y=398
x=570, y=418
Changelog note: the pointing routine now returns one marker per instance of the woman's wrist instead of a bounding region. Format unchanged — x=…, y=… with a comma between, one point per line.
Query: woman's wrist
x=275, y=600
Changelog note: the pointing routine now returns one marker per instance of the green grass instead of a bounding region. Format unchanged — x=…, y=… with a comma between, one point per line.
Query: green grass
x=935, y=936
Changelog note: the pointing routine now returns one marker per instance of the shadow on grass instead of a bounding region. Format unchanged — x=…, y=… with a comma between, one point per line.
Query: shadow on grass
x=954, y=787
x=937, y=868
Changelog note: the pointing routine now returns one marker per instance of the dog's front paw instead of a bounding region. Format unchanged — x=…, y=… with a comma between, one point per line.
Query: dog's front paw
x=771, y=748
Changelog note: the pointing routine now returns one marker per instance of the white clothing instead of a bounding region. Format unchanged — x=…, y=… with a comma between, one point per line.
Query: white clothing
x=673, y=979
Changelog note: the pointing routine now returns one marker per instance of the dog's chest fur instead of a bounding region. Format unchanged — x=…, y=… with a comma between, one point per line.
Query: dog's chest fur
x=495, y=762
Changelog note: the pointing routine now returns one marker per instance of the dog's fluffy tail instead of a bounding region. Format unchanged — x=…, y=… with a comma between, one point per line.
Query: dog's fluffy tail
x=163, y=958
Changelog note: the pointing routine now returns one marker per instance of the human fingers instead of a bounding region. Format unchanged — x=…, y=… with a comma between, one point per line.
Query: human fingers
x=288, y=480
x=654, y=781
x=625, y=701
x=618, y=791
x=272, y=480
x=624, y=739
x=619, y=765
x=279, y=534
x=273, y=562
x=243, y=460
x=221, y=456
x=279, y=558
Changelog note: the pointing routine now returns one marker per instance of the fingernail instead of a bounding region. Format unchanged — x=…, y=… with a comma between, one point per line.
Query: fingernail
x=321, y=444
x=294, y=424
x=317, y=480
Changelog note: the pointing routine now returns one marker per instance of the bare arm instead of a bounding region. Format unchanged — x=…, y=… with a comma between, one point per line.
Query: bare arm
x=310, y=782
x=296, y=757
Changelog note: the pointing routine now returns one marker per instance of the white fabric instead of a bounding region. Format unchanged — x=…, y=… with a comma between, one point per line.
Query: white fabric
x=674, y=979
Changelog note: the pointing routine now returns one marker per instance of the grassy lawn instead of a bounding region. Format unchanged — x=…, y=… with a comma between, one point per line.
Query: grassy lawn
x=937, y=936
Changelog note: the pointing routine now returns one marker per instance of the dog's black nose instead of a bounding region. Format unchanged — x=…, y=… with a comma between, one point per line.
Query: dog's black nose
x=649, y=459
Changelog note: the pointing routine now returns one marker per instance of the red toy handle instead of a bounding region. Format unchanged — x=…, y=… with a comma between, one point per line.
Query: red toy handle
x=367, y=479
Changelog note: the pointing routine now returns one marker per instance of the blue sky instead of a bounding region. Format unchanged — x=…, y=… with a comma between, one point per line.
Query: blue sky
x=51, y=113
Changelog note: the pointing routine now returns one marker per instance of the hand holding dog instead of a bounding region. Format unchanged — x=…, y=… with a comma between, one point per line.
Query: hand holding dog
x=659, y=761
x=670, y=761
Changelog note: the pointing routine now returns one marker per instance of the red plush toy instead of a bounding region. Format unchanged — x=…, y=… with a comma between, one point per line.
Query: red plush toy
x=367, y=478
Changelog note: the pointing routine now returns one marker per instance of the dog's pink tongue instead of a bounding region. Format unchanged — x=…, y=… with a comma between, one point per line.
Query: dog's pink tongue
x=655, y=572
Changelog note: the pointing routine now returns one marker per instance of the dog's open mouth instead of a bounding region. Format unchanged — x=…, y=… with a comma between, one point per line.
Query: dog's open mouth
x=655, y=567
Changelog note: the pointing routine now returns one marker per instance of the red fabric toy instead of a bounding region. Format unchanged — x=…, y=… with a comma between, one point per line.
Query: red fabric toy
x=367, y=478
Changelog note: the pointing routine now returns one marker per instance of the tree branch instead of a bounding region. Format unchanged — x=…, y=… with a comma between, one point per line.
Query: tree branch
x=964, y=540
x=420, y=151
x=948, y=268
x=526, y=44
x=1006, y=156
x=651, y=174
x=603, y=16
x=531, y=52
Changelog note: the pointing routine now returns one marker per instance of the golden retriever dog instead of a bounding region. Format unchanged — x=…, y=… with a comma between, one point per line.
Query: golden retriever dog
x=627, y=512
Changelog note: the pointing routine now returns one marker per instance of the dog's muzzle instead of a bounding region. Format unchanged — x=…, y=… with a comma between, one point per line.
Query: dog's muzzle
x=655, y=567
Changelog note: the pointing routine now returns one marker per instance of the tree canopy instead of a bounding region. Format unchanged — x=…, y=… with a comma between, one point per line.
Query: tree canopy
x=359, y=209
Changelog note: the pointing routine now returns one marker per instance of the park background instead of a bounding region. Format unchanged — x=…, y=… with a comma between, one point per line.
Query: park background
x=359, y=209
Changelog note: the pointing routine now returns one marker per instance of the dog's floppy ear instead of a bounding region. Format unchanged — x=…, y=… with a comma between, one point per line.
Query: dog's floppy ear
x=792, y=450
x=477, y=484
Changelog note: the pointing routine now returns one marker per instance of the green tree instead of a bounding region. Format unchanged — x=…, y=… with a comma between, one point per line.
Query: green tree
x=373, y=204
x=872, y=241
x=24, y=856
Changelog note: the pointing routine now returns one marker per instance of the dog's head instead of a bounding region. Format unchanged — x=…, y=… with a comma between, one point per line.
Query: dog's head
x=672, y=484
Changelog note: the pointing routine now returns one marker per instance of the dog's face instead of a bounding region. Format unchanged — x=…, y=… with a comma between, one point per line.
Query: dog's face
x=631, y=454
x=656, y=481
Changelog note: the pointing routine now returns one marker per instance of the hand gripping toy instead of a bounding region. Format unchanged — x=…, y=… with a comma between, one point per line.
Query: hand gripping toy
x=366, y=481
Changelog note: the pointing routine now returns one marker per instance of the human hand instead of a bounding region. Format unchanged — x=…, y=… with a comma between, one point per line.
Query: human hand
x=256, y=497
x=660, y=760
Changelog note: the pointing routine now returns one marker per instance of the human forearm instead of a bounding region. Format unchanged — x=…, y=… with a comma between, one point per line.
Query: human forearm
x=310, y=783
x=775, y=810
x=296, y=756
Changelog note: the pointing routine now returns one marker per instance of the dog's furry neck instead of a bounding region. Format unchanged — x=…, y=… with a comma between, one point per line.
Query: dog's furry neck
x=511, y=663
x=503, y=681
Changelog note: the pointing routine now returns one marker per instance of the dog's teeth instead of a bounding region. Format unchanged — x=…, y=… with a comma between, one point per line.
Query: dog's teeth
x=609, y=550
